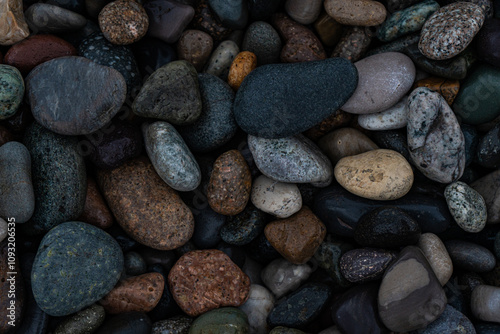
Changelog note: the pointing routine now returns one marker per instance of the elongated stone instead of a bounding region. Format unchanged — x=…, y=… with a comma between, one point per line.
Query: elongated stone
x=467, y=206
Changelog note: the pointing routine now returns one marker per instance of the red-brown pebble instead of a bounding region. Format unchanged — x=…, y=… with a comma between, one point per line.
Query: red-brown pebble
x=230, y=184
x=244, y=63
x=96, y=211
x=123, y=22
x=37, y=49
x=195, y=46
x=140, y=293
x=146, y=207
x=204, y=280
x=298, y=237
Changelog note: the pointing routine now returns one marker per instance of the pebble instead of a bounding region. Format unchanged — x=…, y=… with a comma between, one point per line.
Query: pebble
x=437, y=255
x=174, y=325
x=127, y=323
x=93, y=94
x=410, y=296
x=170, y=156
x=328, y=258
x=244, y=227
x=13, y=27
x=258, y=306
x=356, y=13
x=488, y=187
x=11, y=91
x=37, y=49
x=84, y=321
x=435, y=140
x=205, y=20
x=95, y=212
x=379, y=174
x=395, y=117
x=383, y=80
x=486, y=40
x=244, y=63
x=336, y=120
x=281, y=276
x=328, y=30
x=223, y=320
x=3, y=229
x=234, y=15
x=365, y=264
x=52, y=19
x=151, y=54
x=195, y=46
x=264, y=41
x=354, y=43
x=221, y=59
x=436, y=40
x=291, y=160
x=260, y=110
x=450, y=321
x=277, y=198
x=297, y=237
x=64, y=279
x=447, y=88
x=215, y=276
x=123, y=22
x=485, y=303
x=168, y=19
x=135, y=194
x=304, y=12
x=467, y=206
x=171, y=94
x=208, y=226
x=134, y=264
x=470, y=256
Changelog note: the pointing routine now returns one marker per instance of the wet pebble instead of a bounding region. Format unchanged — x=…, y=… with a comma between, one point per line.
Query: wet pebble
x=195, y=46
x=451, y=320
x=13, y=26
x=221, y=59
x=258, y=306
x=485, y=303
x=437, y=255
x=396, y=117
x=356, y=13
x=84, y=321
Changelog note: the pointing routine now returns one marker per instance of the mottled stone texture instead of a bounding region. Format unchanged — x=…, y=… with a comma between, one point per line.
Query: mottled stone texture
x=356, y=12
x=123, y=22
x=13, y=27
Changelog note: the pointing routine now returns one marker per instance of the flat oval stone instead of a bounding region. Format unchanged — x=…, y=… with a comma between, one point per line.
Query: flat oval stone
x=365, y=264
x=470, y=256
x=17, y=199
x=291, y=160
x=263, y=109
x=244, y=227
x=13, y=27
x=87, y=320
x=486, y=40
x=123, y=22
x=64, y=279
x=221, y=59
x=224, y=320
x=257, y=307
x=215, y=276
x=127, y=323
x=378, y=174
x=437, y=40
x=136, y=194
x=171, y=94
x=92, y=95
x=48, y=18
x=172, y=159
x=485, y=303
x=279, y=199
x=168, y=19
x=383, y=80
x=304, y=12
x=175, y=325
x=195, y=46
x=410, y=296
x=356, y=13
x=487, y=187
x=11, y=91
x=437, y=255
x=396, y=117
x=467, y=206
x=264, y=41
x=281, y=276
x=451, y=320
x=435, y=141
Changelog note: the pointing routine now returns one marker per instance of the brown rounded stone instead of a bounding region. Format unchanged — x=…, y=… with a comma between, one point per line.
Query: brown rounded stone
x=146, y=207
x=123, y=22
x=230, y=184
x=96, y=211
x=203, y=280
x=437, y=255
x=329, y=30
x=336, y=120
x=354, y=43
x=140, y=293
x=205, y=20
x=448, y=88
x=356, y=12
x=37, y=49
x=298, y=237
x=195, y=46
x=244, y=63
x=10, y=280
x=13, y=27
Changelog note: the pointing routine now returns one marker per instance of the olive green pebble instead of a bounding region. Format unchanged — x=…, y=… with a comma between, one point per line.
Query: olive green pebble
x=11, y=90
x=226, y=320
x=84, y=322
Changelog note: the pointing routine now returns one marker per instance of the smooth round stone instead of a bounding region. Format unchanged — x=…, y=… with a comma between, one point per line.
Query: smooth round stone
x=383, y=80
x=216, y=125
x=11, y=90
x=300, y=307
x=244, y=63
x=221, y=59
x=64, y=279
x=98, y=49
x=171, y=94
x=123, y=22
x=195, y=46
x=356, y=13
x=274, y=100
x=225, y=320
x=450, y=321
x=304, y=12
x=3, y=229
x=232, y=14
x=258, y=306
x=17, y=199
x=485, y=303
x=172, y=159
x=396, y=117
x=437, y=255
x=208, y=226
x=406, y=21
x=175, y=325
x=168, y=19
x=151, y=54
x=127, y=323
x=435, y=141
x=467, y=206
x=85, y=321
x=365, y=264
x=450, y=29
x=379, y=174
x=93, y=94
x=281, y=276
x=264, y=41
x=291, y=160
x=354, y=43
x=13, y=27
x=244, y=227
x=486, y=41
x=279, y=199
x=410, y=296
x=47, y=18
x=134, y=264
x=470, y=256
x=488, y=187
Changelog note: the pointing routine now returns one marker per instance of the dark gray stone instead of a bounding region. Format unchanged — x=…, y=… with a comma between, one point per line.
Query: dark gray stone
x=233, y=13
x=175, y=325
x=244, y=227
x=470, y=256
x=127, y=323
x=85, y=321
x=264, y=41
x=47, y=18
x=450, y=321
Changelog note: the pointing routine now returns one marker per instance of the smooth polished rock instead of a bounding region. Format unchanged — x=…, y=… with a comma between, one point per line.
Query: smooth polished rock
x=281, y=276
x=467, y=206
x=356, y=13
x=13, y=27
x=232, y=14
x=123, y=22
x=450, y=321
x=365, y=264
x=264, y=41
x=304, y=12
x=243, y=64
x=195, y=46
x=259, y=304
x=221, y=59
x=485, y=303
x=437, y=255
x=354, y=43
x=277, y=198
x=396, y=117
x=470, y=256
x=48, y=18
x=168, y=19
x=488, y=187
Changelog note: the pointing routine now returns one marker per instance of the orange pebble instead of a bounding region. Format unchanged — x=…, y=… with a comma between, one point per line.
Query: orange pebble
x=446, y=87
x=244, y=63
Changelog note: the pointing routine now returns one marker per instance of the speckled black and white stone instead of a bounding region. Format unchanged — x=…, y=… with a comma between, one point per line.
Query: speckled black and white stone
x=175, y=325
x=292, y=160
x=467, y=206
x=450, y=29
x=221, y=59
x=396, y=117
x=435, y=141
x=171, y=157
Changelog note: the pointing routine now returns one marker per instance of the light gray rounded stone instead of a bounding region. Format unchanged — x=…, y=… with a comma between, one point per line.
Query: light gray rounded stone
x=259, y=304
x=281, y=276
x=221, y=59
x=436, y=253
x=396, y=117
x=277, y=198
x=467, y=206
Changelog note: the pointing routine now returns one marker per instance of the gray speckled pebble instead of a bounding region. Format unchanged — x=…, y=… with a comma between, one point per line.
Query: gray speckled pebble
x=467, y=206
x=11, y=90
x=221, y=59
x=264, y=41
x=175, y=325
x=292, y=160
x=84, y=322
x=396, y=117
x=47, y=18
x=450, y=321
x=171, y=157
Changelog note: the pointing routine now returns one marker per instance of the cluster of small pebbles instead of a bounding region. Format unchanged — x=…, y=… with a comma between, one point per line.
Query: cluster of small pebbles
x=249, y=166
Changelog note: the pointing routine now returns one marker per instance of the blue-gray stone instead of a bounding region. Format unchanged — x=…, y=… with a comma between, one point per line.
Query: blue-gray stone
x=76, y=265
x=232, y=13
x=450, y=321
x=264, y=41
x=11, y=90
x=470, y=256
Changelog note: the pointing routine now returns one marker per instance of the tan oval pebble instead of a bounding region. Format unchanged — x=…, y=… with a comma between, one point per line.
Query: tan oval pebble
x=378, y=174
x=345, y=142
x=356, y=12
x=123, y=22
x=437, y=255
x=195, y=46
x=485, y=303
x=244, y=63
x=277, y=198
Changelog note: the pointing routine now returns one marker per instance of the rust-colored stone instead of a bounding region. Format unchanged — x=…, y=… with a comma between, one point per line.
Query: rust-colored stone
x=140, y=293
x=244, y=63
x=336, y=120
x=448, y=88
x=230, y=184
x=195, y=46
x=205, y=20
x=298, y=237
x=146, y=207
x=13, y=27
x=123, y=22
x=96, y=211
x=10, y=283
x=204, y=280
x=37, y=49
